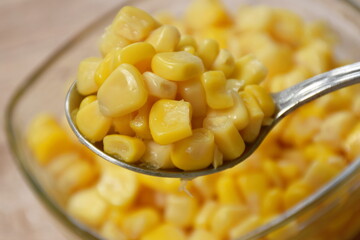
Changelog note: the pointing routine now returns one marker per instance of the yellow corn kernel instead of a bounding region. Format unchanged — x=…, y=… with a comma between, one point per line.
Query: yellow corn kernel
x=105, y=68
x=318, y=30
x=263, y=98
x=256, y=117
x=85, y=82
x=234, y=84
x=87, y=100
x=194, y=152
x=289, y=230
x=190, y=50
x=287, y=27
x=224, y=62
x=165, y=231
x=245, y=226
x=250, y=70
x=159, y=87
x=208, y=50
x=118, y=186
x=121, y=125
x=289, y=171
x=273, y=172
x=226, y=217
x=133, y=24
x=163, y=185
x=335, y=127
x=130, y=54
x=109, y=41
x=218, y=159
x=140, y=123
x=217, y=96
x=186, y=41
x=352, y=142
x=319, y=151
x=254, y=18
x=272, y=204
x=111, y=231
x=205, y=185
x=205, y=214
x=227, y=191
x=125, y=148
x=215, y=14
x=180, y=210
x=320, y=173
x=227, y=137
x=78, y=175
x=164, y=39
x=140, y=221
x=170, y=121
x=250, y=42
x=316, y=56
x=202, y=234
x=253, y=187
x=295, y=193
x=60, y=163
x=238, y=113
x=123, y=92
x=47, y=139
x=157, y=156
x=177, y=66
x=193, y=92
x=88, y=207
x=91, y=123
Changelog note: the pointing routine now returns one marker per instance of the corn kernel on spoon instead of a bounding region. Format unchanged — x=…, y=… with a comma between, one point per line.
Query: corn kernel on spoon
x=286, y=101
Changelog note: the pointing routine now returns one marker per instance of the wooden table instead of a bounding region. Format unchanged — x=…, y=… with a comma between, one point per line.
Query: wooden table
x=29, y=31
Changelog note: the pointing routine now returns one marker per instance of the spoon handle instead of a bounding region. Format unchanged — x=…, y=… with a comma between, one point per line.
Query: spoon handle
x=293, y=97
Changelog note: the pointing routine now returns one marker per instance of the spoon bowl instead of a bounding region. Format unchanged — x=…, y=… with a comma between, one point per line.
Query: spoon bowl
x=286, y=101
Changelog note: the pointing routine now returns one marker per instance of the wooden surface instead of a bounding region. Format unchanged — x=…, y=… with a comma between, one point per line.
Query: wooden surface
x=29, y=31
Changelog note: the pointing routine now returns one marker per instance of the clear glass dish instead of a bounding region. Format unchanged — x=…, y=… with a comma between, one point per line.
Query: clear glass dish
x=45, y=89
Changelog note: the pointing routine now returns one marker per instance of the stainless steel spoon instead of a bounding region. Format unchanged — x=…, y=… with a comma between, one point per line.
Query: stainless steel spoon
x=286, y=101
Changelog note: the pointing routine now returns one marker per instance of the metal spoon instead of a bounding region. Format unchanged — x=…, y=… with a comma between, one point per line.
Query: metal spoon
x=286, y=101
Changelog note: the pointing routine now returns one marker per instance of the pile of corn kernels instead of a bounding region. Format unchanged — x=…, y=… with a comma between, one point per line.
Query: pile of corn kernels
x=307, y=149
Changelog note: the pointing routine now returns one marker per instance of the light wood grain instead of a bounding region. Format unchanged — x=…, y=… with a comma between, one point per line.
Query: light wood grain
x=29, y=31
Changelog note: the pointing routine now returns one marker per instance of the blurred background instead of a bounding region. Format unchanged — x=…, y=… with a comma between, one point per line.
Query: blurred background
x=30, y=30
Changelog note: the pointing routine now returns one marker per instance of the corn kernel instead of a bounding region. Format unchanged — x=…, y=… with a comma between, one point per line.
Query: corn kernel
x=245, y=226
x=256, y=117
x=202, y=234
x=218, y=159
x=289, y=171
x=109, y=41
x=105, y=67
x=272, y=204
x=164, y=39
x=47, y=139
x=163, y=185
x=117, y=186
x=226, y=217
x=224, y=62
x=193, y=92
x=130, y=54
x=186, y=41
x=205, y=185
x=205, y=214
x=140, y=221
x=60, y=163
x=227, y=137
x=208, y=51
x=85, y=82
x=169, y=121
x=87, y=100
x=273, y=172
x=295, y=193
x=91, y=123
x=250, y=70
x=254, y=18
x=177, y=66
x=159, y=87
x=111, y=231
x=157, y=156
x=234, y=84
x=217, y=96
x=263, y=98
x=125, y=148
x=194, y=152
x=122, y=126
x=238, y=113
x=123, y=92
x=226, y=191
x=320, y=173
x=215, y=14
x=180, y=210
x=133, y=24
x=353, y=141
x=88, y=207
x=140, y=123
x=165, y=231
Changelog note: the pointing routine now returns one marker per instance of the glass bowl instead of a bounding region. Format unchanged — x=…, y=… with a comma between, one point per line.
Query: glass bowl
x=45, y=89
